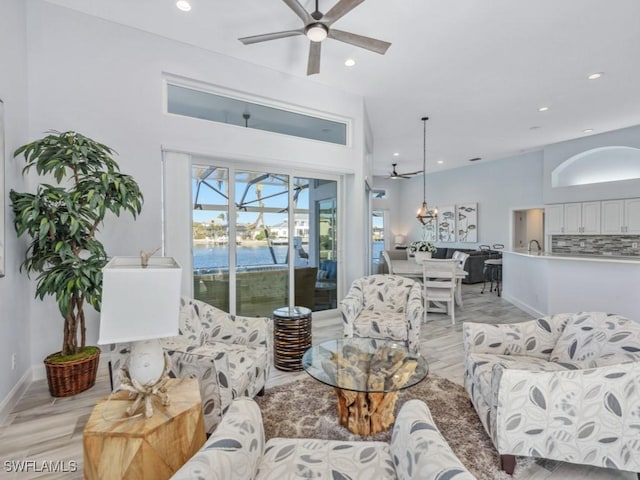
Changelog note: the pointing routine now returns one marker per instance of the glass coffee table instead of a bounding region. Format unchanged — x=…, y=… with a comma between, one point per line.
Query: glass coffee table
x=367, y=375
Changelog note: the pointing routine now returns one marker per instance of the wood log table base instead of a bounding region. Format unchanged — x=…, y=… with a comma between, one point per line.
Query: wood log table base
x=366, y=374
x=366, y=413
x=374, y=380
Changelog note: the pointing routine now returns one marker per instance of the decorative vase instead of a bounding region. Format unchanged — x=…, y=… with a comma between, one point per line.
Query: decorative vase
x=421, y=256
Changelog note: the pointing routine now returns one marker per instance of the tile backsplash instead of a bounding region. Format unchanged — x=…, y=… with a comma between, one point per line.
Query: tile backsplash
x=616, y=245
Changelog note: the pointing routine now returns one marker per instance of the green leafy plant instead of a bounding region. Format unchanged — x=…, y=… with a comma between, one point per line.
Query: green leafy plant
x=62, y=220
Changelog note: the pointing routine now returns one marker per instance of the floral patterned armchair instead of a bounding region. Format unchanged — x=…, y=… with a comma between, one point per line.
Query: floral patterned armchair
x=229, y=355
x=384, y=306
x=237, y=450
x=564, y=387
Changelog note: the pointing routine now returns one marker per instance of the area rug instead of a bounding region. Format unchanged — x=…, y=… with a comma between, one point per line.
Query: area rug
x=308, y=409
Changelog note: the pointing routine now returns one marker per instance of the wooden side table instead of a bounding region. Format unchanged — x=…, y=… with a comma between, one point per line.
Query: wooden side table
x=141, y=448
x=291, y=337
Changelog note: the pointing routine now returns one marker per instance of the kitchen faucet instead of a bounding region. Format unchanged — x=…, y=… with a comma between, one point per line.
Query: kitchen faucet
x=537, y=244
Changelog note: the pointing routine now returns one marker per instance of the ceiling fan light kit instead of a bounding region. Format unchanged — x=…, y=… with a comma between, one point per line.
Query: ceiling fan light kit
x=316, y=32
x=317, y=27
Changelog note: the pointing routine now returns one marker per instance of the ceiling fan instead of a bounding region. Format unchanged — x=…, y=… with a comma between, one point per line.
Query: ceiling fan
x=395, y=175
x=317, y=27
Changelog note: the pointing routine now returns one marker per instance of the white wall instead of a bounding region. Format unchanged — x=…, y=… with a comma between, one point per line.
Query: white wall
x=105, y=80
x=498, y=187
x=15, y=293
x=557, y=153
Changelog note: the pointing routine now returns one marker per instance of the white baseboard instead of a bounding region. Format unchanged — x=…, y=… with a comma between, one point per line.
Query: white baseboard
x=523, y=306
x=13, y=397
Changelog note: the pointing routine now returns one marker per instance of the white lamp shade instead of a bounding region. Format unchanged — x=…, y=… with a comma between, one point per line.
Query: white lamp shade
x=399, y=239
x=139, y=303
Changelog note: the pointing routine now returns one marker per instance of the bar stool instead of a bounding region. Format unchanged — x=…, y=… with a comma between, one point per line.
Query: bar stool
x=493, y=270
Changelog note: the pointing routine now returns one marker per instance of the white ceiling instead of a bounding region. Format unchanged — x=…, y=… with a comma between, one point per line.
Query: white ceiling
x=478, y=69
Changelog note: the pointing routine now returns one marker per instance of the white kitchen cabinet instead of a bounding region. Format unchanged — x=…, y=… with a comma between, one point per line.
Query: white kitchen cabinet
x=608, y=217
x=632, y=216
x=582, y=218
x=572, y=218
x=591, y=217
x=554, y=219
x=612, y=216
x=621, y=216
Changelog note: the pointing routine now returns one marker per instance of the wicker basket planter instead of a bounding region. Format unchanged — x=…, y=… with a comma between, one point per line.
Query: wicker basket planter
x=70, y=378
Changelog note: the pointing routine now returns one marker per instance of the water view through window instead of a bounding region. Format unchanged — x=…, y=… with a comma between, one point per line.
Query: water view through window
x=264, y=254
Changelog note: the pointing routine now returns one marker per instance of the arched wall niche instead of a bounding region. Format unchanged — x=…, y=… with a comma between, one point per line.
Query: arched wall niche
x=598, y=165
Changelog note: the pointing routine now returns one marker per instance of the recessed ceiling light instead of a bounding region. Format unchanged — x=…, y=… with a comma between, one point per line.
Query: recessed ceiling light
x=595, y=76
x=440, y=162
x=396, y=154
x=475, y=159
x=543, y=109
x=349, y=62
x=183, y=5
x=587, y=130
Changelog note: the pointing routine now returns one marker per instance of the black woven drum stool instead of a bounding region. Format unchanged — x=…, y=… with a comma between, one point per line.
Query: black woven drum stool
x=291, y=337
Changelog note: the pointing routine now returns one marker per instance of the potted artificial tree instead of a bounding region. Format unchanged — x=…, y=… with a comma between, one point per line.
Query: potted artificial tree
x=61, y=222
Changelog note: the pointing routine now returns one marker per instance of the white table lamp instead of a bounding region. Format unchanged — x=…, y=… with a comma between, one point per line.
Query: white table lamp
x=139, y=305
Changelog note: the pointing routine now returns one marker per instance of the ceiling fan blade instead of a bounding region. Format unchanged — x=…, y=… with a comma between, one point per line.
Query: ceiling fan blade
x=299, y=10
x=361, y=41
x=313, y=66
x=271, y=36
x=339, y=10
x=413, y=173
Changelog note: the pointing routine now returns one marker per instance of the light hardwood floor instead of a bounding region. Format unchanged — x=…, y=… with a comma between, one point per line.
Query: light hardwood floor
x=44, y=429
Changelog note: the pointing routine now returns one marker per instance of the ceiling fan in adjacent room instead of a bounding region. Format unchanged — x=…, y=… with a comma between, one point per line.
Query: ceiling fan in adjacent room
x=317, y=27
x=395, y=175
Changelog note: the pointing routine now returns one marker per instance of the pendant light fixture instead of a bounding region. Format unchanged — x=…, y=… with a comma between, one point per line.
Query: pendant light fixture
x=424, y=214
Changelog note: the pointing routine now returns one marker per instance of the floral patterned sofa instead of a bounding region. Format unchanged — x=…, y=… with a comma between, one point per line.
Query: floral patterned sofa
x=564, y=387
x=237, y=450
x=229, y=355
x=384, y=306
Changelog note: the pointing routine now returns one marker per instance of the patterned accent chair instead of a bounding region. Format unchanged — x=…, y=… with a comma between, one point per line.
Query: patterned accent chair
x=384, y=306
x=237, y=450
x=229, y=355
x=564, y=387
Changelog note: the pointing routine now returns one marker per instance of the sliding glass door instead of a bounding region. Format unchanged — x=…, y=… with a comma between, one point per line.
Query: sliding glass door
x=274, y=245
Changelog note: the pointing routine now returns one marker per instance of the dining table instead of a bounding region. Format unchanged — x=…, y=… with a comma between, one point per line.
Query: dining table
x=412, y=269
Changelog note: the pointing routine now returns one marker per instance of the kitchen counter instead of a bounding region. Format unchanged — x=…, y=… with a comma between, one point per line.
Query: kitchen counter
x=544, y=283
x=577, y=256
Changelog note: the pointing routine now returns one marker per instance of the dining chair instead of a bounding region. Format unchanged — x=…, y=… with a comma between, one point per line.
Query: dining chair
x=461, y=257
x=387, y=260
x=439, y=280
